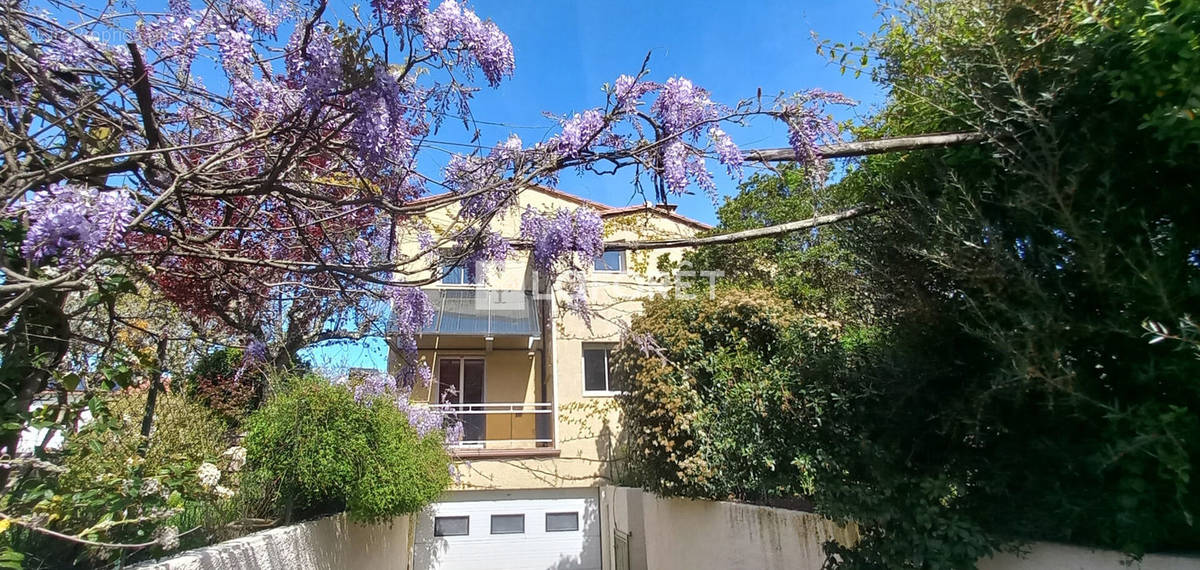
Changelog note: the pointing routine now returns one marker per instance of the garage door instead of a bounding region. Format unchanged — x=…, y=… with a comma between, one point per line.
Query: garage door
x=543, y=530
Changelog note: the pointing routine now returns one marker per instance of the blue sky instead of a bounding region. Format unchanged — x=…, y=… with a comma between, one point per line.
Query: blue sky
x=566, y=50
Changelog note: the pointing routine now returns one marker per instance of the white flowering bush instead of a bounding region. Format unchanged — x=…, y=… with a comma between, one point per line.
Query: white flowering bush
x=112, y=485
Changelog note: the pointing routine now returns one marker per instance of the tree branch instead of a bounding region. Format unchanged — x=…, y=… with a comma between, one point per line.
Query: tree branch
x=872, y=146
x=756, y=233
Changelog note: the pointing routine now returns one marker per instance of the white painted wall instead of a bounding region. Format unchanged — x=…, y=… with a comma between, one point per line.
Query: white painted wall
x=331, y=543
x=682, y=534
x=670, y=534
x=1049, y=556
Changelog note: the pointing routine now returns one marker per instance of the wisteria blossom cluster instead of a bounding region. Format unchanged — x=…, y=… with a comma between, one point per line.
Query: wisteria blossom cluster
x=809, y=124
x=377, y=386
x=673, y=128
x=74, y=223
x=563, y=238
x=411, y=313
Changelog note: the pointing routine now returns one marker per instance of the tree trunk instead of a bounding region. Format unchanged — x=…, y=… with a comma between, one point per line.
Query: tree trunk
x=156, y=386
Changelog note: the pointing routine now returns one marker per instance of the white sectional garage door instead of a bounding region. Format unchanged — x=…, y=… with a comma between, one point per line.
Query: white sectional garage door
x=542, y=530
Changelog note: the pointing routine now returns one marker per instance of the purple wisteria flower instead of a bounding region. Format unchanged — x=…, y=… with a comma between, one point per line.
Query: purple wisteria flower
x=259, y=15
x=317, y=64
x=68, y=51
x=809, y=125
x=237, y=51
x=727, y=152
x=421, y=417
x=577, y=302
x=578, y=132
x=490, y=250
x=256, y=351
x=75, y=223
x=480, y=181
x=487, y=45
x=401, y=12
x=254, y=354
x=560, y=237
x=375, y=384
x=629, y=91
x=380, y=128
x=681, y=107
x=411, y=313
x=674, y=164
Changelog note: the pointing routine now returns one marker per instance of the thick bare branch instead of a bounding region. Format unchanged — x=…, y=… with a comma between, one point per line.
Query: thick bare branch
x=871, y=146
x=735, y=237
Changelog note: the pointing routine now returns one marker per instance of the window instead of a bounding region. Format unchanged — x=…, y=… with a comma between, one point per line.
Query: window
x=451, y=526
x=508, y=524
x=562, y=522
x=610, y=260
x=460, y=275
x=597, y=371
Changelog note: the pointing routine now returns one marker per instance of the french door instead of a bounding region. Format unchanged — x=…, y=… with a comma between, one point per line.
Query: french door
x=460, y=382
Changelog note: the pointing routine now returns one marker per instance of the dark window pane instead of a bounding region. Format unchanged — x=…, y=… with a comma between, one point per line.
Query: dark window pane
x=472, y=380
x=616, y=380
x=448, y=376
x=508, y=524
x=451, y=526
x=561, y=522
x=611, y=260
x=595, y=373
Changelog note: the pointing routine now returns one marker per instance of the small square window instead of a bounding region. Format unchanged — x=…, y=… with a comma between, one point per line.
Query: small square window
x=610, y=260
x=508, y=524
x=597, y=370
x=460, y=275
x=562, y=522
x=451, y=526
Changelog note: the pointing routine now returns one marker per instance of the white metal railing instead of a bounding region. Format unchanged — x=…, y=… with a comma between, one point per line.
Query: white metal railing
x=492, y=422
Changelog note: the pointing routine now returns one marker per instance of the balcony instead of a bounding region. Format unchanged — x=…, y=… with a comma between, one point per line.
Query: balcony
x=502, y=429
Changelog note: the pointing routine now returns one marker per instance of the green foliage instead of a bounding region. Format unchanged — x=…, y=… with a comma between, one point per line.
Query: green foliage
x=999, y=385
x=113, y=485
x=812, y=269
x=404, y=472
x=226, y=385
x=724, y=408
x=326, y=452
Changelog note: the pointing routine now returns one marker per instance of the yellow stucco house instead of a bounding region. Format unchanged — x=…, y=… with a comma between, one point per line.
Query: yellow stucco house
x=530, y=383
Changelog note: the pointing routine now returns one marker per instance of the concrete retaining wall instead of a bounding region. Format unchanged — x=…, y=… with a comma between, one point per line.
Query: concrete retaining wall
x=670, y=534
x=331, y=543
x=1049, y=556
x=680, y=534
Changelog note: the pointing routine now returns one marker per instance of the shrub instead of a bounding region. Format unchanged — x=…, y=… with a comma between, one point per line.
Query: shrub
x=327, y=452
x=116, y=486
x=226, y=384
x=721, y=409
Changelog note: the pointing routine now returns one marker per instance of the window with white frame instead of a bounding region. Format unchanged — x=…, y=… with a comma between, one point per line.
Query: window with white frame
x=461, y=274
x=597, y=370
x=612, y=260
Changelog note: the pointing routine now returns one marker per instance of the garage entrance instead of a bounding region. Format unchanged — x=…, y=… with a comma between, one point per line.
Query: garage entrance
x=538, y=529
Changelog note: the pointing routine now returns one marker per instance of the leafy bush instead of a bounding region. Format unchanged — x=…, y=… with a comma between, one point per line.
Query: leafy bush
x=1006, y=390
x=226, y=384
x=113, y=485
x=327, y=452
x=723, y=407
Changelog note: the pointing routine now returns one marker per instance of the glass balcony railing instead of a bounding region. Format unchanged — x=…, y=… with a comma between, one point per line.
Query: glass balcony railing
x=502, y=425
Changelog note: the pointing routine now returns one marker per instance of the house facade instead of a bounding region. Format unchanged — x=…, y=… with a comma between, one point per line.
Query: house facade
x=530, y=383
